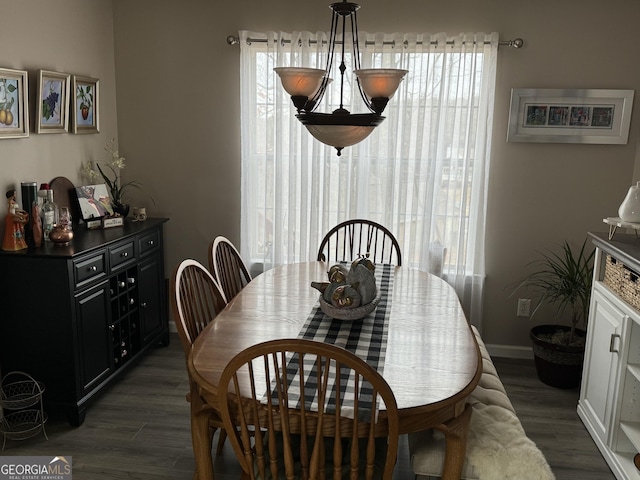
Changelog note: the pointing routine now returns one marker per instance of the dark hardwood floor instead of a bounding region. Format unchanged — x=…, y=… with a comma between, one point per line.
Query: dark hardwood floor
x=139, y=428
x=549, y=417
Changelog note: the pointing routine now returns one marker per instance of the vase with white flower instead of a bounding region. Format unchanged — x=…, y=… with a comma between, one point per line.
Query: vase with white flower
x=110, y=175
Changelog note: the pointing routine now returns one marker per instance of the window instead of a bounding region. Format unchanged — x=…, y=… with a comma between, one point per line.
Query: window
x=422, y=173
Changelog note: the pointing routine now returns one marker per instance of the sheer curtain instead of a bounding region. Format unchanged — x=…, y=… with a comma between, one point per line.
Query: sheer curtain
x=422, y=173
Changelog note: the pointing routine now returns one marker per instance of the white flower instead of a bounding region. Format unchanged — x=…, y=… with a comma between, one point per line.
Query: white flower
x=118, y=162
x=88, y=172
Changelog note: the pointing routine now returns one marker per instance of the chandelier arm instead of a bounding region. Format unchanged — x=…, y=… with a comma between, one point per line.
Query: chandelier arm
x=317, y=98
x=342, y=65
x=356, y=59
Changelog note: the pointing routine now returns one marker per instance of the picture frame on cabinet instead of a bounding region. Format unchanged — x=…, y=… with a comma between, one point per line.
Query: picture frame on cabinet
x=595, y=116
x=94, y=202
x=53, y=102
x=14, y=103
x=86, y=104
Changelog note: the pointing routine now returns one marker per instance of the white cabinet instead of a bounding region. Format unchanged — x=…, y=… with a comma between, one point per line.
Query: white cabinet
x=609, y=404
x=627, y=438
x=602, y=363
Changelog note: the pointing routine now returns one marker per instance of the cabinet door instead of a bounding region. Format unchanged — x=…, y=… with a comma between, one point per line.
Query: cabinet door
x=94, y=342
x=151, y=287
x=601, y=364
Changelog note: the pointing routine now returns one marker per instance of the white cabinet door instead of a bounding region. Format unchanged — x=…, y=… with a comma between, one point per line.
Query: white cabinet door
x=601, y=364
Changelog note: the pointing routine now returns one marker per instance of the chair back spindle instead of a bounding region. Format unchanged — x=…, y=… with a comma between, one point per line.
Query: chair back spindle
x=227, y=267
x=347, y=240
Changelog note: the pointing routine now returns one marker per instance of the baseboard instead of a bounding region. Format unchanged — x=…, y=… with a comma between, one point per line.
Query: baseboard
x=509, y=351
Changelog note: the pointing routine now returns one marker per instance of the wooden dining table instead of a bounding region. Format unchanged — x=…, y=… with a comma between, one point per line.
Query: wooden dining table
x=432, y=360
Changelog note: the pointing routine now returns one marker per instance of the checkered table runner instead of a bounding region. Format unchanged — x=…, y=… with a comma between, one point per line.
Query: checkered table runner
x=366, y=338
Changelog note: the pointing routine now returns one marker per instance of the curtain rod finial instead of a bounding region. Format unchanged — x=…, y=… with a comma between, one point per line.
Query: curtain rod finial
x=233, y=40
x=516, y=43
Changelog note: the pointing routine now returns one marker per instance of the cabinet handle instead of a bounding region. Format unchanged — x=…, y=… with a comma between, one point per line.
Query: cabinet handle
x=144, y=304
x=92, y=268
x=112, y=327
x=150, y=243
x=612, y=343
x=124, y=254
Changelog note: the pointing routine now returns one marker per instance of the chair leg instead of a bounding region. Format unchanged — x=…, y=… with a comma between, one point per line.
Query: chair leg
x=201, y=439
x=222, y=436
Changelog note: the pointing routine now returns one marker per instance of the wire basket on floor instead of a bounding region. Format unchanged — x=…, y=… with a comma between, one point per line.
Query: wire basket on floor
x=21, y=393
x=23, y=424
x=16, y=396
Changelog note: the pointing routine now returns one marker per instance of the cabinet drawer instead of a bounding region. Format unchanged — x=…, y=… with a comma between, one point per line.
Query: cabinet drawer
x=121, y=254
x=149, y=242
x=89, y=268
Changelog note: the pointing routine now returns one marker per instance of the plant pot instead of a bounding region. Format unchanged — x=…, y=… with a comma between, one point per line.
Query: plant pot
x=557, y=365
x=121, y=208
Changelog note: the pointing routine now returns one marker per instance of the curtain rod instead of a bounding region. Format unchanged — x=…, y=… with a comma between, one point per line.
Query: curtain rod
x=233, y=40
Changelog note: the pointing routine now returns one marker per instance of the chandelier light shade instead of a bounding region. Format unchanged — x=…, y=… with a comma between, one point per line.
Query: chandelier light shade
x=379, y=85
x=307, y=86
x=300, y=83
x=339, y=136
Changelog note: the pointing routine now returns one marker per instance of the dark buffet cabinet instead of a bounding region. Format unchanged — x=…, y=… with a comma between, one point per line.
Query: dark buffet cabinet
x=74, y=317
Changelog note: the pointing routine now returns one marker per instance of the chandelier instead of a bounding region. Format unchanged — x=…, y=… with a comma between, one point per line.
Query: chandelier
x=307, y=86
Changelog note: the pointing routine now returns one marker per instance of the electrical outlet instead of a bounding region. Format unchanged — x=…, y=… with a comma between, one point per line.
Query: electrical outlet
x=524, y=307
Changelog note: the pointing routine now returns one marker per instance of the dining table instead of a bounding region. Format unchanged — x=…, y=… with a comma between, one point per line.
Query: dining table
x=426, y=349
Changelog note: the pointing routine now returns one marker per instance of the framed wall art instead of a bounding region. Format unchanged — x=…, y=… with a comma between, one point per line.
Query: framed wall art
x=86, y=101
x=14, y=103
x=570, y=116
x=53, y=102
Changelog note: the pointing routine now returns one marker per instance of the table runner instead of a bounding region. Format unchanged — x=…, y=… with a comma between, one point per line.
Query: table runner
x=366, y=338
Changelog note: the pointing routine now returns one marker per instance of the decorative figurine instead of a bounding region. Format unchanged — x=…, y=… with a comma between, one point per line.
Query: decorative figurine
x=14, y=225
x=349, y=288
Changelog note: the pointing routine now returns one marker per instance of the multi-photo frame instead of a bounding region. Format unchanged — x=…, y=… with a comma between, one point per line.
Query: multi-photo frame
x=570, y=116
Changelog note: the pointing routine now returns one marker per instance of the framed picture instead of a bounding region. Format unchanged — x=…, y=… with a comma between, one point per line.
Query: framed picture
x=94, y=201
x=14, y=104
x=53, y=102
x=86, y=101
x=570, y=116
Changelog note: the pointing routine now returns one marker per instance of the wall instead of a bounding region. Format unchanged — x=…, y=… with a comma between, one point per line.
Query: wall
x=178, y=112
x=68, y=36
x=178, y=106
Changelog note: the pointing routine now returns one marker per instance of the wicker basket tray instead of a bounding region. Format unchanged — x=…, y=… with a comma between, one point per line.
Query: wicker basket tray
x=623, y=281
x=348, y=313
x=19, y=394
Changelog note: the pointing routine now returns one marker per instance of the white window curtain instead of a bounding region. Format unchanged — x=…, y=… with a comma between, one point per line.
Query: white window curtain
x=422, y=173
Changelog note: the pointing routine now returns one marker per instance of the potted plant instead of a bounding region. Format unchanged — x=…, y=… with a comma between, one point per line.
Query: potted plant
x=563, y=279
x=114, y=183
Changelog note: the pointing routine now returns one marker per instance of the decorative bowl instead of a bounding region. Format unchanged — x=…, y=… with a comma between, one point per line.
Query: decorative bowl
x=61, y=235
x=348, y=313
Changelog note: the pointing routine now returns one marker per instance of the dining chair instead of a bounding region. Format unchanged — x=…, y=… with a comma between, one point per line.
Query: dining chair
x=227, y=267
x=347, y=240
x=331, y=425
x=196, y=299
